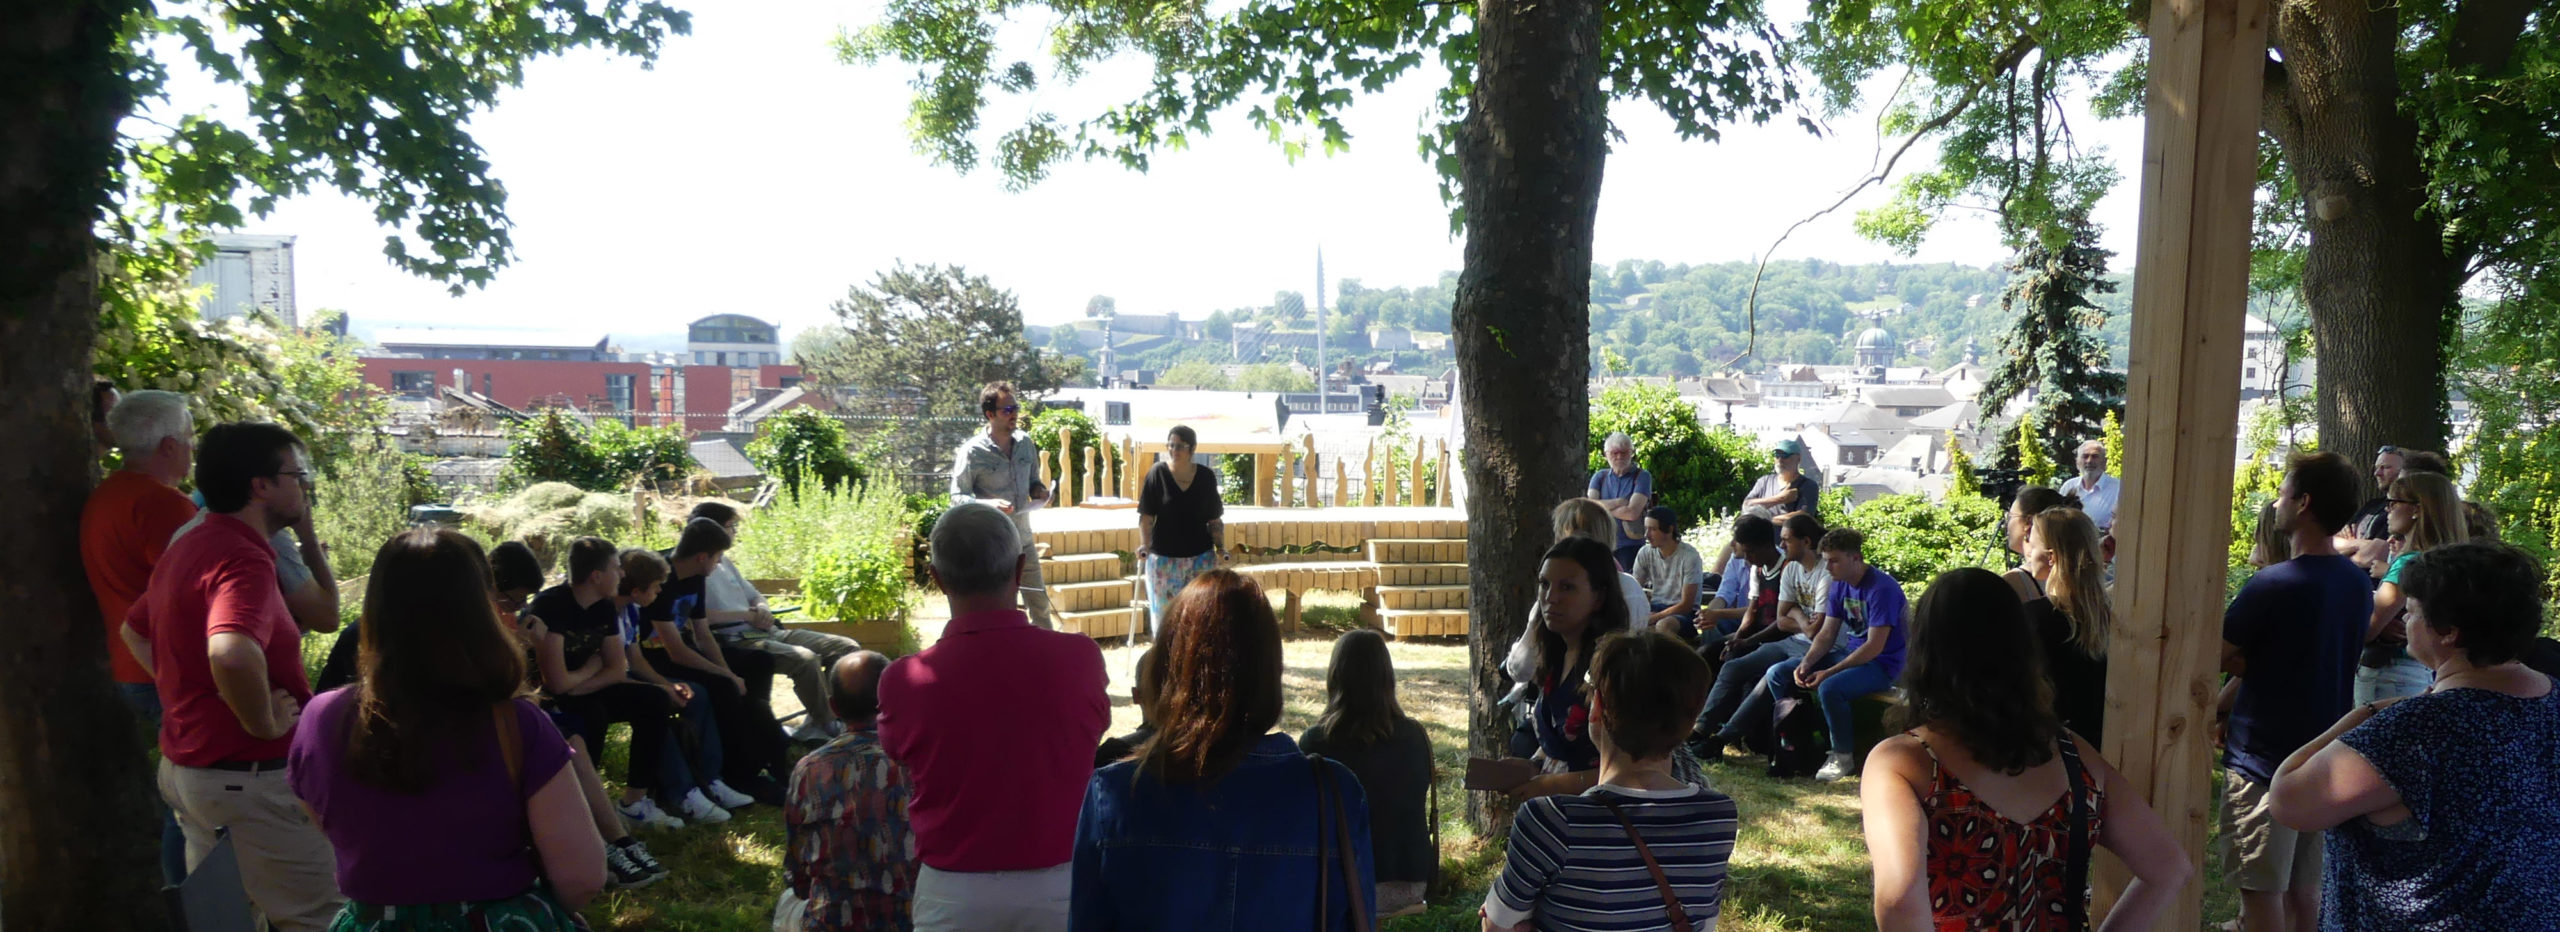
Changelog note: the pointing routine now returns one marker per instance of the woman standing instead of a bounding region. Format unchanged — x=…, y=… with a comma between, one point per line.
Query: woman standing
x=1364, y=728
x=2019, y=523
x=1218, y=824
x=2071, y=615
x=1984, y=814
x=448, y=798
x=2424, y=512
x=1181, y=533
x=2440, y=808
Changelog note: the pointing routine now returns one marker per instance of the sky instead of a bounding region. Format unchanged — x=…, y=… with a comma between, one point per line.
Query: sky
x=751, y=172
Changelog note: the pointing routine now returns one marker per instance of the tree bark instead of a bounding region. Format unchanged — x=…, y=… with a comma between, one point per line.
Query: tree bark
x=2375, y=273
x=1530, y=159
x=78, y=840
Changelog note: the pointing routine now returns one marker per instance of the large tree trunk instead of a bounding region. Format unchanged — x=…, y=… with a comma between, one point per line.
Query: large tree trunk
x=78, y=841
x=2376, y=275
x=1530, y=160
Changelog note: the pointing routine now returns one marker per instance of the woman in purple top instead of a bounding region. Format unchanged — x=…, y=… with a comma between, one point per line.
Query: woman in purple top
x=444, y=794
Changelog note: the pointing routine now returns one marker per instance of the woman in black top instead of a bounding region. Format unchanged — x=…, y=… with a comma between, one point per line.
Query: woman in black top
x=1367, y=731
x=1180, y=534
x=2071, y=615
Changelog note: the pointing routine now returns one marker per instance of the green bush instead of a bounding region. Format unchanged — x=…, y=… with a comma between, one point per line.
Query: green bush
x=363, y=498
x=1044, y=423
x=605, y=455
x=1915, y=539
x=784, y=539
x=549, y=515
x=922, y=512
x=801, y=444
x=856, y=581
x=1698, y=472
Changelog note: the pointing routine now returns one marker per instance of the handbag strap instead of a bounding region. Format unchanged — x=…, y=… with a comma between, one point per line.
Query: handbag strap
x=1679, y=916
x=2075, y=890
x=1329, y=796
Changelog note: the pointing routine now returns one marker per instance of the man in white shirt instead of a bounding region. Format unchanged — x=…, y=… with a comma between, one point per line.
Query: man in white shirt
x=1803, y=588
x=2096, y=489
x=1670, y=570
x=739, y=617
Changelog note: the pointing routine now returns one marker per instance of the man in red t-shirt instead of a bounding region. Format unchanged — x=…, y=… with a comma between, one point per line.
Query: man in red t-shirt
x=996, y=724
x=213, y=630
x=123, y=529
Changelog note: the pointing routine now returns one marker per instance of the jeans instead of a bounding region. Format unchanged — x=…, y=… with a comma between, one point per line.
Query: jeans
x=751, y=741
x=1835, y=694
x=144, y=700
x=680, y=773
x=2403, y=676
x=1761, y=702
x=1740, y=679
x=645, y=707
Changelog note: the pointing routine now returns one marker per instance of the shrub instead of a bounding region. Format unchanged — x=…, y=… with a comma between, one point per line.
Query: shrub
x=1915, y=539
x=548, y=515
x=783, y=539
x=364, y=498
x=1044, y=423
x=1696, y=471
x=802, y=444
x=855, y=581
x=604, y=455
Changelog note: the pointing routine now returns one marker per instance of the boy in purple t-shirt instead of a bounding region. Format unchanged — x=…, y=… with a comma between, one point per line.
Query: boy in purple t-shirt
x=1860, y=646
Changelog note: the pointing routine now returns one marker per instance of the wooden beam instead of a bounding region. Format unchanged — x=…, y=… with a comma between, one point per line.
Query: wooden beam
x=1416, y=497
x=2199, y=178
x=1315, y=473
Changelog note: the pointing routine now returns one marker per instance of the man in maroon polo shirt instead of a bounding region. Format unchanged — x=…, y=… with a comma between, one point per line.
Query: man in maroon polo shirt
x=996, y=724
x=213, y=631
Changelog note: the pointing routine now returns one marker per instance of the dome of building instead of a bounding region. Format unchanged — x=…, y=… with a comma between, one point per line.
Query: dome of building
x=1875, y=338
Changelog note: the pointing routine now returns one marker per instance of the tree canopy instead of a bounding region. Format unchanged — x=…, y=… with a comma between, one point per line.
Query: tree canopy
x=930, y=336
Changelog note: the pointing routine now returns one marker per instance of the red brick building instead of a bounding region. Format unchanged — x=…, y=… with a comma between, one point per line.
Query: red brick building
x=698, y=397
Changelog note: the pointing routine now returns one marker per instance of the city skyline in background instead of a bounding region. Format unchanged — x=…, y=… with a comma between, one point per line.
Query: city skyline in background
x=752, y=173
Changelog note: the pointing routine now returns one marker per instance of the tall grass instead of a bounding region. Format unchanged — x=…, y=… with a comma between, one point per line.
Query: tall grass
x=779, y=540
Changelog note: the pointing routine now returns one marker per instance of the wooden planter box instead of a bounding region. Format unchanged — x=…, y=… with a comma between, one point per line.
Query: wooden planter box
x=881, y=634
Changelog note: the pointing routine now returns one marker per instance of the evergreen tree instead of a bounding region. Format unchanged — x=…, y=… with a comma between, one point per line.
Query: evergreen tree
x=2054, y=349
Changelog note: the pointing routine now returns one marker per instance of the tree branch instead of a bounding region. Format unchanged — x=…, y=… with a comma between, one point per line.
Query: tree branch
x=2485, y=33
x=2009, y=58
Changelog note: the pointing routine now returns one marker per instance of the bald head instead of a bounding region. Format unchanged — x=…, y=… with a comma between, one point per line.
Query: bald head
x=857, y=682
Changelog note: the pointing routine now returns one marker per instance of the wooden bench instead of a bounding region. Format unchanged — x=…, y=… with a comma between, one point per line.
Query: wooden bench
x=1297, y=579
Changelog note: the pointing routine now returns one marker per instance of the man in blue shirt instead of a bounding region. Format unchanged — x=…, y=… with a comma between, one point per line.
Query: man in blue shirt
x=2290, y=637
x=1625, y=490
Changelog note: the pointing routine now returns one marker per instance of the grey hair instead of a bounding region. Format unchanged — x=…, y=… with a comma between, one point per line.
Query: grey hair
x=144, y=418
x=2086, y=444
x=975, y=550
x=1619, y=439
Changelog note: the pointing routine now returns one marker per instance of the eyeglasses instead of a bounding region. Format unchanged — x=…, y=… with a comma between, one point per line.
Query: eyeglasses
x=299, y=475
x=1009, y=409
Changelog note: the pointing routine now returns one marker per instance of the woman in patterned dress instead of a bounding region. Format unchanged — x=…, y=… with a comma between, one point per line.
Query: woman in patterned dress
x=1969, y=814
x=1181, y=533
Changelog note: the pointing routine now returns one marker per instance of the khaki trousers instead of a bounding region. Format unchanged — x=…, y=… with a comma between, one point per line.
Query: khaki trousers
x=286, y=865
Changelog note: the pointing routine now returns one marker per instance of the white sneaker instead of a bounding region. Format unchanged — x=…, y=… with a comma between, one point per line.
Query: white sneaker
x=695, y=807
x=725, y=797
x=1834, y=769
x=646, y=814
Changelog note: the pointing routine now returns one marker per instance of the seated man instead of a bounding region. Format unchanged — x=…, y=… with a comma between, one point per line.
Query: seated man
x=742, y=621
x=1750, y=578
x=1860, y=646
x=1669, y=570
x=1738, y=702
x=851, y=856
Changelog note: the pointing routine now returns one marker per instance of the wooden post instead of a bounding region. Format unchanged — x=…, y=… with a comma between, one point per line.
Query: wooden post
x=1315, y=473
x=1133, y=473
x=1385, y=480
x=1092, y=474
x=1064, y=493
x=1341, y=486
x=1445, y=484
x=1417, y=461
x=1369, y=475
x=1262, y=479
x=2199, y=175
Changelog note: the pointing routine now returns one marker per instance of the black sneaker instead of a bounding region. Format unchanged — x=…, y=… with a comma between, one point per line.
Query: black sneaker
x=1708, y=748
x=639, y=854
x=627, y=873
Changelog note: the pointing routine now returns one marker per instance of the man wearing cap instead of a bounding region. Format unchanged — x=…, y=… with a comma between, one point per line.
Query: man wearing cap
x=1786, y=491
x=1625, y=490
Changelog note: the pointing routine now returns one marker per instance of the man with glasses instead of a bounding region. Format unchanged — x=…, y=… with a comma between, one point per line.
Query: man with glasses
x=1001, y=468
x=213, y=631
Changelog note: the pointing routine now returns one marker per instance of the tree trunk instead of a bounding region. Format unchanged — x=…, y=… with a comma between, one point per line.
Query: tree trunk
x=1531, y=154
x=2375, y=274
x=78, y=841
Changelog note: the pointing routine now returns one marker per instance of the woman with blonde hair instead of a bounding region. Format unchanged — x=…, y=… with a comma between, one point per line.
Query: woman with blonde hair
x=2071, y=614
x=2424, y=512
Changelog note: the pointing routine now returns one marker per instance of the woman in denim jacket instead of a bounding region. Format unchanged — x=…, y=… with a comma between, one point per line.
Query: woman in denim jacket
x=1217, y=823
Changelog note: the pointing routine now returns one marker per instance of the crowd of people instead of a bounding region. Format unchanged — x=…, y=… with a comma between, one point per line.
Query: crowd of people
x=2381, y=729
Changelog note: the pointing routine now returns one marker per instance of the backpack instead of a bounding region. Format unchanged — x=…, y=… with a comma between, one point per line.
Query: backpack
x=1801, y=737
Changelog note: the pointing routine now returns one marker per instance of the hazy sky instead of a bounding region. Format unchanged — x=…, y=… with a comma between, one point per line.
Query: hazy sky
x=750, y=172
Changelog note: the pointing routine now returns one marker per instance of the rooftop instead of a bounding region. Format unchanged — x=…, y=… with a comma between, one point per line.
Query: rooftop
x=439, y=336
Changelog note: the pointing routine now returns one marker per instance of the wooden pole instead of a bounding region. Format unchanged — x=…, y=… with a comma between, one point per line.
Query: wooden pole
x=1064, y=492
x=1132, y=473
x=1416, y=497
x=1369, y=475
x=1444, y=475
x=1315, y=473
x=2199, y=178
x=1341, y=485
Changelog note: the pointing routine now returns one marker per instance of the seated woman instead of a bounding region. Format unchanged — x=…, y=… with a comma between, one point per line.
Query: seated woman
x=1983, y=815
x=1364, y=728
x=1219, y=824
x=1568, y=864
x=2440, y=808
x=440, y=789
x=1576, y=614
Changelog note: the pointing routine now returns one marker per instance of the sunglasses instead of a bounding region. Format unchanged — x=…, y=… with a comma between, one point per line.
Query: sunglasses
x=1009, y=409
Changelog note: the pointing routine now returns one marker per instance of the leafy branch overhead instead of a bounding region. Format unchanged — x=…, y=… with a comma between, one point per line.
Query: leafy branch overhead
x=1294, y=67
x=370, y=99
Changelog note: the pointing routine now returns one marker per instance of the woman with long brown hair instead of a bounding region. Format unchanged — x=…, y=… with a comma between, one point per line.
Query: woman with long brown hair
x=1985, y=813
x=1365, y=728
x=2424, y=512
x=2072, y=615
x=444, y=791
x=1218, y=823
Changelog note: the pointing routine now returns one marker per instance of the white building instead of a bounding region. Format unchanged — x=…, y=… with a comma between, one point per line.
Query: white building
x=249, y=273
x=734, y=340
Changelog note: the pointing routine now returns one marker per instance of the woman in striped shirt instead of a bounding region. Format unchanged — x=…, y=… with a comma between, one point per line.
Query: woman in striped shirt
x=1643, y=850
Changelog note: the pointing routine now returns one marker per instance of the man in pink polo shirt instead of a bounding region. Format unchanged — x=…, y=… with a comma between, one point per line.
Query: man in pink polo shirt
x=213, y=632
x=996, y=724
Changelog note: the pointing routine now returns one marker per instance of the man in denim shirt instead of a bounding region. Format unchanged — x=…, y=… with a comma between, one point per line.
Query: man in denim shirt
x=1001, y=468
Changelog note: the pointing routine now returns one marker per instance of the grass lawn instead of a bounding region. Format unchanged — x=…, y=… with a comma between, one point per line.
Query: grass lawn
x=1800, y=863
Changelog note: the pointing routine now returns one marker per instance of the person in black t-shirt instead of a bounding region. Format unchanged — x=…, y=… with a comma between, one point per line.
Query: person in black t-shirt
x=679, y=645
x=1181, y=528
x=586, y=673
